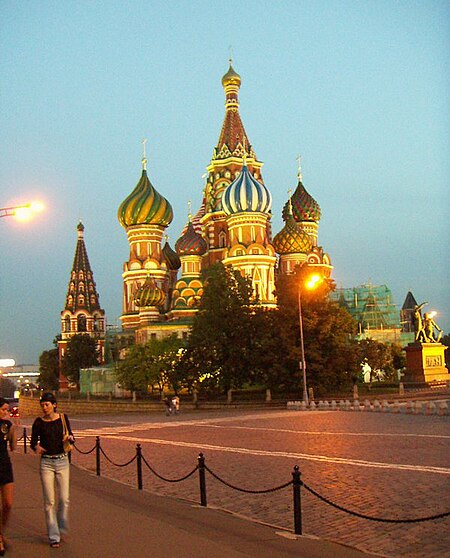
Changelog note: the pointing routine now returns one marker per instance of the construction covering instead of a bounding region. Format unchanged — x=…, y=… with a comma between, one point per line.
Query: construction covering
x=372, y=306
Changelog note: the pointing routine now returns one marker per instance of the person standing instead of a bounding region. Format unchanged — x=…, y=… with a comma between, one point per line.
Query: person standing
x=47, y=441
x=7, y=437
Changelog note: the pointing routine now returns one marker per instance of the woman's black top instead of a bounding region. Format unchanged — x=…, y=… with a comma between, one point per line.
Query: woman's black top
x=6, y=475
x=49, y=434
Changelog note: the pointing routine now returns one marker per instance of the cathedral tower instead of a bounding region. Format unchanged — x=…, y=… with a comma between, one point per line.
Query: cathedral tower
x=82, y=313
x=246, y=203
x=225, y=166
x=144, y=214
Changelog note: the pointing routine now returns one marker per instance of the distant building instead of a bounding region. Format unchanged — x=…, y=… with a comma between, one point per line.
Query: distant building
x=82, y=313
x=373, y=308
x=407, y=318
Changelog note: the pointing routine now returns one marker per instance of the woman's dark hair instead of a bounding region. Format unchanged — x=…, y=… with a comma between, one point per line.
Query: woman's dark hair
x=48, y=396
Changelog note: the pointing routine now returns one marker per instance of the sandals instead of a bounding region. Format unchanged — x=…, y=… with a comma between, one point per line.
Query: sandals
x=54, y=545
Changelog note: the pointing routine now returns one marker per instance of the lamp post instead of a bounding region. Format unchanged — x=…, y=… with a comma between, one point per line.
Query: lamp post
x=311, y=283
x=302, y=362
x=22, y=212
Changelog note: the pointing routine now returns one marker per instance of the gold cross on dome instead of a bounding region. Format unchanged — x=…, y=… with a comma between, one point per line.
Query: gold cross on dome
x=299, y=163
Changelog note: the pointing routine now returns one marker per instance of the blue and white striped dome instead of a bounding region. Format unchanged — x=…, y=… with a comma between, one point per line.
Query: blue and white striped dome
x=246, y=194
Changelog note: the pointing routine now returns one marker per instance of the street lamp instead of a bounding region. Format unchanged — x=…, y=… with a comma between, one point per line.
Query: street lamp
x=22, y=212
x=311, y=283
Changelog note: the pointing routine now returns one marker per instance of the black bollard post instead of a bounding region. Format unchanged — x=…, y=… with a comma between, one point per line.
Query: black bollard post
x=139, y=465
x=97, y=454
x=296, y=485
x=202, y=479
x=24, y=440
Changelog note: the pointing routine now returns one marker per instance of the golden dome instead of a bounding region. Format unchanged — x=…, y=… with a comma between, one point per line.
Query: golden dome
x=231, y=77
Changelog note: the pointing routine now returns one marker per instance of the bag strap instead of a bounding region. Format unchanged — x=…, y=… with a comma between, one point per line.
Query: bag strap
x=65, y=429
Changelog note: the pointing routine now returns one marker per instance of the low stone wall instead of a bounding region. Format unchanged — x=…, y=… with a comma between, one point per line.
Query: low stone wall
x=29, y=407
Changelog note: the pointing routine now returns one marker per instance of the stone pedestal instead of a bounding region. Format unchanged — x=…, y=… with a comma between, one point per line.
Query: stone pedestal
x=425, y=362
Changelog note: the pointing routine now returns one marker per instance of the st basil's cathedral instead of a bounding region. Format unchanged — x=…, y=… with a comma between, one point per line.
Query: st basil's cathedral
x=232, y=226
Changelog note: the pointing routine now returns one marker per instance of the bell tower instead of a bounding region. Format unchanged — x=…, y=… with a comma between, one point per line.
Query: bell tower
x=82, y=313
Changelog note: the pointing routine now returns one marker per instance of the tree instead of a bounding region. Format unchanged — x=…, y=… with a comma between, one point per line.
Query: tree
x=270, y=366
x=446, y=341
x=7, y=387
x=81, y=352
x=151, y=363
x=219, y=345
x=49, y=370
x=328, y=330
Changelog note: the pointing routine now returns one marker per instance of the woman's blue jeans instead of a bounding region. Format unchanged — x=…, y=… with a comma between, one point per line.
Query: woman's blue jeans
x=55, y=475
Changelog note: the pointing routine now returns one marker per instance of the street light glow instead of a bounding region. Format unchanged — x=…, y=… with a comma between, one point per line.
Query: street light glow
x=22, y=212
x=7, y=362
x=313, y=281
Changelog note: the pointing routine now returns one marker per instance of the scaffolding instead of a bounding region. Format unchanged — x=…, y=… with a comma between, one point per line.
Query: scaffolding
x=373, y=308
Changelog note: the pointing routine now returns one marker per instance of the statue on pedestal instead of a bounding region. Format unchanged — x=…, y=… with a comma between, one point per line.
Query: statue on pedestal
x=424, y=327
x=429, y=325
x=418, y=323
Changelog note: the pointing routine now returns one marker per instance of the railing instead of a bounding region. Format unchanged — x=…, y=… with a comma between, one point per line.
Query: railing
x=296, y=482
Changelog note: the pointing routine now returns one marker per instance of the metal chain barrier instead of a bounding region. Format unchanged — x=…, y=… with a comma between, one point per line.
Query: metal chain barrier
x=84, y=452
x=248, y=491
x=369, y=517
x=164, y=478
x=118, y=464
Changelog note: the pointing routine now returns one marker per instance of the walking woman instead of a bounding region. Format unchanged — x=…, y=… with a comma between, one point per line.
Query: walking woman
x=7, y=437
x=47, y=437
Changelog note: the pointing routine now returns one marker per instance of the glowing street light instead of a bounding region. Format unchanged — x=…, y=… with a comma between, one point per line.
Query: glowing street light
x=22, y=212
x=311, y=283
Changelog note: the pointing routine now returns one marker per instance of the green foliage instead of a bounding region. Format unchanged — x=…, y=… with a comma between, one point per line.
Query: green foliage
x=331, y=356
x=81, y=352
x=446, y=341
x=219, y=346
x=153, y=363
x=49, y=370
x=7, y=387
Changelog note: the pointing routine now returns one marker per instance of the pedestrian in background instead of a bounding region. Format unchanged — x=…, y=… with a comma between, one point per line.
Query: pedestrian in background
x=7, y=437
x=47, y=440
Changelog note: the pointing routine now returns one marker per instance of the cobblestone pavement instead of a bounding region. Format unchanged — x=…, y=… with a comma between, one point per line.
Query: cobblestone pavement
x=382, y=465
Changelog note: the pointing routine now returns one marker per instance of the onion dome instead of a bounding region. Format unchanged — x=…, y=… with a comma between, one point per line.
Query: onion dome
x=149, y=294
x=196, y=220
x=304, y=206
x=171, y=257
x=231, y=77
x=145, y=206
x=191, y=243
x=246, y=194
x=292, y=239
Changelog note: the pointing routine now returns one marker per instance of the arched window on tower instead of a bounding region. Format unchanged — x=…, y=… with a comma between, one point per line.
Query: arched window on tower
x=81, y=322
x=81, y=300
x=222, y=239
x=67, y=324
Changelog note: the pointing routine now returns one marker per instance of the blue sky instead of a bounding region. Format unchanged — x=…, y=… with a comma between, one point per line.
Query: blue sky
x=360, y=89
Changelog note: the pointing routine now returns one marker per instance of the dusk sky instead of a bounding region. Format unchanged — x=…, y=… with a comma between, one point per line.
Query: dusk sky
x=359, y=89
